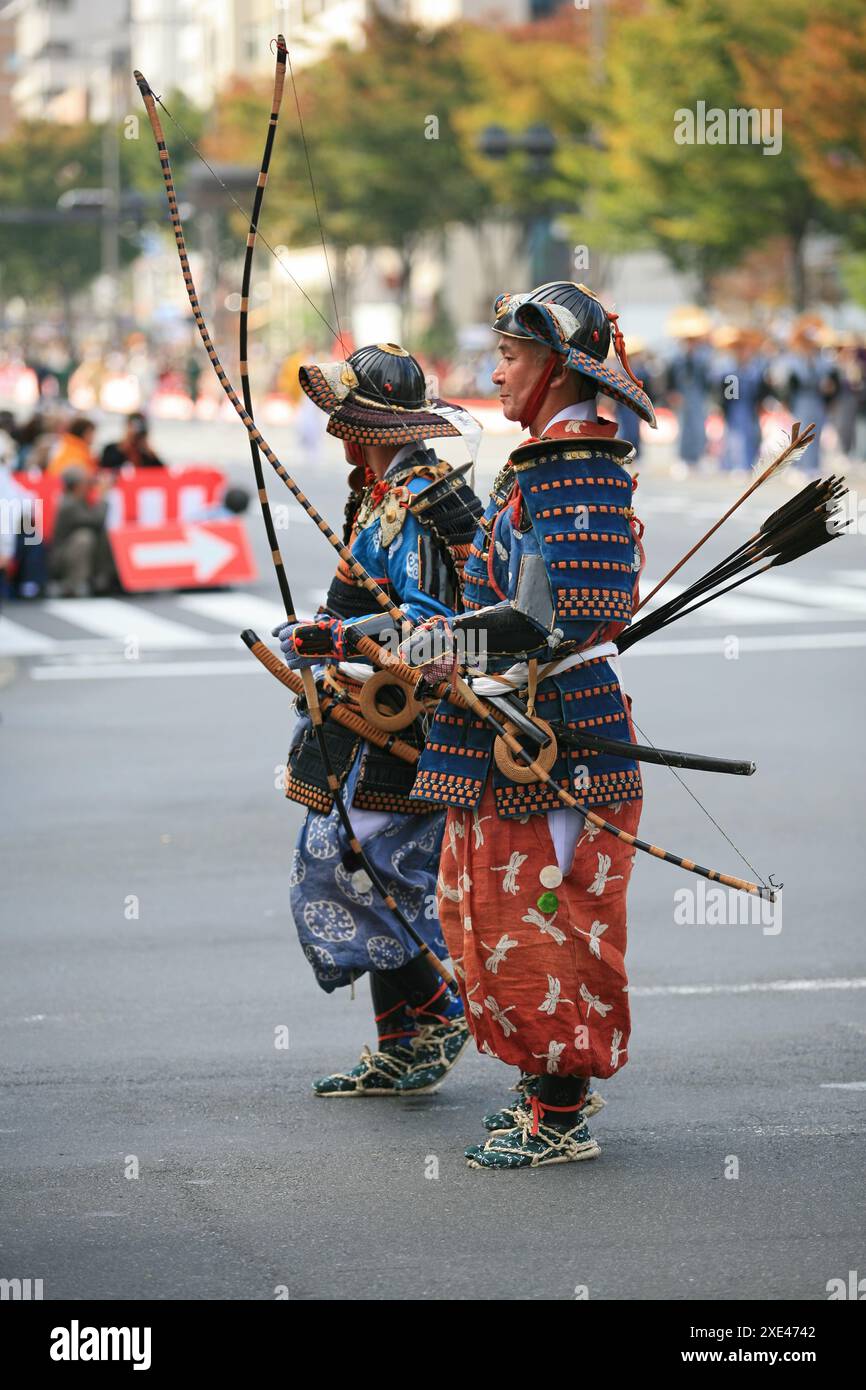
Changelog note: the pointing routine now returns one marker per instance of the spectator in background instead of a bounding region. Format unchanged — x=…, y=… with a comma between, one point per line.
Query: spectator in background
x=134, y=447
x=192, y=371
x=233, y=503
x=850, y=404
x=690, y=381
x=25, y=436
x=75, y=449
x=81, y=562
x=810, y=382
x=628, y=424
x=743, y=389
x=13, y=501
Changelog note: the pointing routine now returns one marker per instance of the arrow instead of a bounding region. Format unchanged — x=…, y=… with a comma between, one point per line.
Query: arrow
x=201, y=549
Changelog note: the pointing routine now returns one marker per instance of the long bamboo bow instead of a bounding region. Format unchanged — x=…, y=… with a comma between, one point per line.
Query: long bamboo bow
x=257, y=443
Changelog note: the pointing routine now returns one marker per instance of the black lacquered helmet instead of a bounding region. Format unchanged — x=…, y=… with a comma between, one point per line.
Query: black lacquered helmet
x=389, y=374
x=379, y=396
x=569, y=319
x=592, y=334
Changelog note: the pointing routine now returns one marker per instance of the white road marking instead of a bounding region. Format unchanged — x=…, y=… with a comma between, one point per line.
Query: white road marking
x=817, y=593
x=95, y=667
x=843, y=1085
x=236, y=609
x=113, y=618
x=132, y=670
x=752, y=987
x=769, y=642
x=747, y=605
x=16, y=640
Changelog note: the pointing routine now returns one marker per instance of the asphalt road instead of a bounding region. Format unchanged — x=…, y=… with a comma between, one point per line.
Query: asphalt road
x=150, y=960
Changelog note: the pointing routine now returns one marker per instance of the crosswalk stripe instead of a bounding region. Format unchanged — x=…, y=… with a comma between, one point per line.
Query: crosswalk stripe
x=732, y=608
x=766, y=642
x=236, y=609
x=17, y=640
x=145, y=670
x=105, y=669
x=121, y=621
x=816, y=594
x=96, y=625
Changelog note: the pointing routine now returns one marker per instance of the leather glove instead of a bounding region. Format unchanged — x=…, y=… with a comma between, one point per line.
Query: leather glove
x=431, y=647
x=309, y=644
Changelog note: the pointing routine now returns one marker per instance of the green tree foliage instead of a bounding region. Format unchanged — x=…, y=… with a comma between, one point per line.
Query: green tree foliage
x=707, y=205
x=380, y=125
x=47, y=254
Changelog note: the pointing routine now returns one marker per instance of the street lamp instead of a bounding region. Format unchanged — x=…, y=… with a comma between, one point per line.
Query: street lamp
x=539, y=144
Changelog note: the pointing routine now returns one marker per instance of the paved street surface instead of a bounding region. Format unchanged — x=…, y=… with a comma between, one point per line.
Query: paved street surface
x=150, y=961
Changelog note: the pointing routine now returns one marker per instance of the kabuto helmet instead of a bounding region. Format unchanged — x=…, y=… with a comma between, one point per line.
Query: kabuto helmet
x=570, y=320
x=378, y=395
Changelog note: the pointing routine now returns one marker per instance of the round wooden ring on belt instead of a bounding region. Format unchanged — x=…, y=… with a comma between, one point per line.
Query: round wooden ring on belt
x=519, y=772
x=378, y=714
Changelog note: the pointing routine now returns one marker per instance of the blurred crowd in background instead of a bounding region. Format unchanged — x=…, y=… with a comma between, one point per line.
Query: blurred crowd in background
x=717, y=388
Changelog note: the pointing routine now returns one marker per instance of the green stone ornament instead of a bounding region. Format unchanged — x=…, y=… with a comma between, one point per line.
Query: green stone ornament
x=547, y=903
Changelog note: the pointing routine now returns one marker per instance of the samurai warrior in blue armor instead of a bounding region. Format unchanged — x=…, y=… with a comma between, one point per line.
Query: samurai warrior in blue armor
x=409, y=520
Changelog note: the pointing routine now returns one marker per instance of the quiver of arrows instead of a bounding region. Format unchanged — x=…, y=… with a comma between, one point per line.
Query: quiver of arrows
x=803, y=524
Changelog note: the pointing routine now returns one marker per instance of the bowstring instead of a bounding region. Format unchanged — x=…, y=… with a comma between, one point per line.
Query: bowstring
x=759, y=876
x=314, y=192
x=335, y=334
x=259, y=234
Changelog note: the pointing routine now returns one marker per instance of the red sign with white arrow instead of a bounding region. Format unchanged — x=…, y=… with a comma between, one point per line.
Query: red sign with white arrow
x=182, y=555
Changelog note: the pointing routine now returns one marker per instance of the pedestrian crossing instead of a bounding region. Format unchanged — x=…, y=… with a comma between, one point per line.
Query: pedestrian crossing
x=209, y=624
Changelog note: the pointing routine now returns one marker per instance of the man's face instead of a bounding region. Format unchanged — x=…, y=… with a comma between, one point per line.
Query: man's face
x=516, y=374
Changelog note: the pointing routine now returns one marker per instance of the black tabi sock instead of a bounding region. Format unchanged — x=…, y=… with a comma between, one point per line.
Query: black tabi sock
x=426, y=991
x=394, y=1018
x=560, y=1098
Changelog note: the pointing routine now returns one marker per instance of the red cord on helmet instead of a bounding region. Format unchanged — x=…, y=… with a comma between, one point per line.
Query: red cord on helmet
x=619, y=348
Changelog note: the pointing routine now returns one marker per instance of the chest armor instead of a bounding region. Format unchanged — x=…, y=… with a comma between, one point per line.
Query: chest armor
x=447, y=512
x=578, y=502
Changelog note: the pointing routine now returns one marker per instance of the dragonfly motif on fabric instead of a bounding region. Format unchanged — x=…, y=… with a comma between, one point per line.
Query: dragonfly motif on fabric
x=499, y=952
x=477, y=822
x=590, y=832
x=485, y=1047
x=552, y=997
x=546, y=925
x=500, y=1016
x=602, y=875
x=593, y=937
x=455, y=832
x=615, y=1048
x=475, y=1008
x=551, y=1056
x=593, y=1001
x=452, y=894
x=511, y=871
